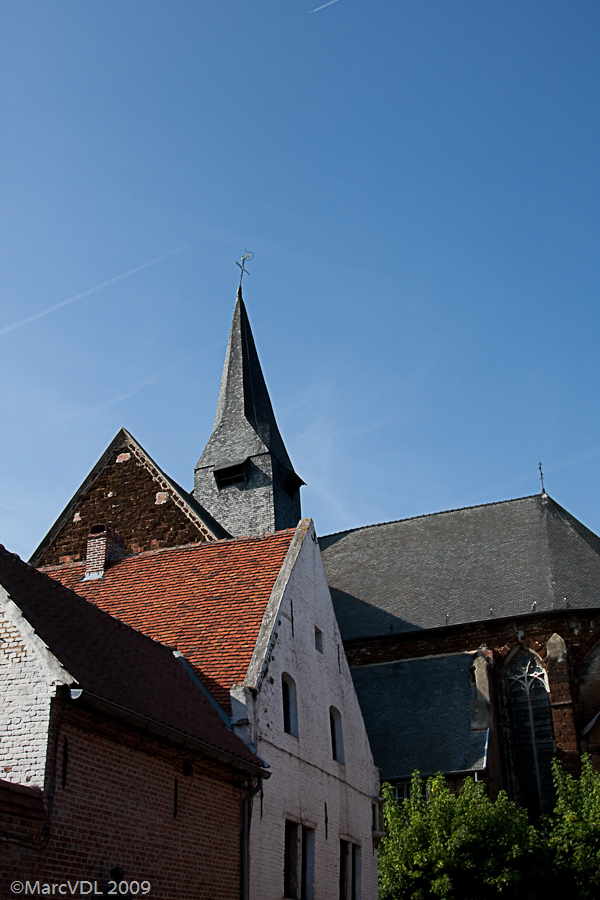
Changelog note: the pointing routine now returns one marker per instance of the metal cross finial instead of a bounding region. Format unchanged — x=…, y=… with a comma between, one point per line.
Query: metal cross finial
x=541, y=476
x=247, y=255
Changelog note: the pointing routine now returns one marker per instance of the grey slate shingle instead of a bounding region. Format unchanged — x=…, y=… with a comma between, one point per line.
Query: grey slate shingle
x=407, y=733
x=411, y=574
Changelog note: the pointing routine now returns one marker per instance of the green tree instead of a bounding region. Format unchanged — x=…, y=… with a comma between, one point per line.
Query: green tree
x=456, y=846
x=573, y=832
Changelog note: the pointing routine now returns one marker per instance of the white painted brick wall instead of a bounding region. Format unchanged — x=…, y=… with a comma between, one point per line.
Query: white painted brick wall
x=304, y=775
x=27, y=684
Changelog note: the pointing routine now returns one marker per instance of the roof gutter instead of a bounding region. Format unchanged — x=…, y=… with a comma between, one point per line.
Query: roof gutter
x=166, y=732
x=465, y=772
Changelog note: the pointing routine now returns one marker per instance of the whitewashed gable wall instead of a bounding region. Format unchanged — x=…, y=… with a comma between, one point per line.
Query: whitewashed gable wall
x=29, y=675
x=307, y=785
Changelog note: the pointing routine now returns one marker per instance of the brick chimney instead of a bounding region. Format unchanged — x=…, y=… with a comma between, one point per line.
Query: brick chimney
x=103, y=546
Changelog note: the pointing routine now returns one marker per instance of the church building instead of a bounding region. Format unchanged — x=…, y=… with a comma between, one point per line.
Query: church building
x=465, y=642
x=231, y=578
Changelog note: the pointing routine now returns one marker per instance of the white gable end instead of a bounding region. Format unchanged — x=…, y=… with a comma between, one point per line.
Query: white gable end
x=297, y=682
x=29, y=676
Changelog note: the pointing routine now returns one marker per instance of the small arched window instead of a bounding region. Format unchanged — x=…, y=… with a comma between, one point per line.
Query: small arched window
x=337, y=737
x=290, y=705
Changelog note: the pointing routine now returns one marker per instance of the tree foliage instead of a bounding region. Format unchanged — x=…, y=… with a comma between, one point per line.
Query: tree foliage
x=456, y=846
x=465, y=846
x=573, y=832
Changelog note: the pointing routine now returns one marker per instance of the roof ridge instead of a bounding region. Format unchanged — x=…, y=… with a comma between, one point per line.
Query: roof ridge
x=440, y=512
x=589, y=536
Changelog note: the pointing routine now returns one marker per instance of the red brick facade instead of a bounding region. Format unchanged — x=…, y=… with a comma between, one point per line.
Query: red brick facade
x=115, y=798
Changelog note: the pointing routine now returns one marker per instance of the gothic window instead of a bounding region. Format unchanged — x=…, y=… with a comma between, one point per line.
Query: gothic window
x=290, y=705
x=337, y=737
x=533, y=738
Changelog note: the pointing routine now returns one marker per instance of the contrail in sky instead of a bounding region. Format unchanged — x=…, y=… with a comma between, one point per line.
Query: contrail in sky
x=92, y=290
x=322, y=7
x=28, y=511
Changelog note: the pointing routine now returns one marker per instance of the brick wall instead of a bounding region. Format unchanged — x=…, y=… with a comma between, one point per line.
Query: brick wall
x=126, y=497
x=116, y=807
x=575, y=628
x=25, y=708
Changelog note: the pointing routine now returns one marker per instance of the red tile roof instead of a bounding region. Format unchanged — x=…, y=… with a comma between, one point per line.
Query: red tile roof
x=206, y=600
x=113, y=661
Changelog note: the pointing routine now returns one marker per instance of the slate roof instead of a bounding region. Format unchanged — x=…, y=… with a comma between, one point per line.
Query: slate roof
x=113, y=661
x=502, y=559
x=406, y=735
x=245, y=423
x=208, y=599
x=206, y=524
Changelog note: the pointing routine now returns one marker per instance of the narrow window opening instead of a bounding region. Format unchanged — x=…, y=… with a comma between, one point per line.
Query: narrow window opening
x=337, y=737
x=65, y=762
x=318, y=639
x=291, y=485
x=290, y=705
x=299, y=862
x=350, y=871
x=290, y=865
x=308, y=864
x=356, y=872
x=344, y=854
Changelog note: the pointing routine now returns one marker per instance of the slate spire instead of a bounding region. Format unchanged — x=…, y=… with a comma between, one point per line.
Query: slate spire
x=244, y=476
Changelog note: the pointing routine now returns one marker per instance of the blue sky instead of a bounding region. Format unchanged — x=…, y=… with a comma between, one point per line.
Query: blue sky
x=419, y=182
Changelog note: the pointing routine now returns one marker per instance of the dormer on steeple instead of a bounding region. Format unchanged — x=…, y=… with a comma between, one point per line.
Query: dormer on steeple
x=244, y=477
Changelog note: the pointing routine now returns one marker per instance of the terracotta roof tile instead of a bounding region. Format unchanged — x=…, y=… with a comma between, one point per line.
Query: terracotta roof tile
x=206, y=600
x=113, y=661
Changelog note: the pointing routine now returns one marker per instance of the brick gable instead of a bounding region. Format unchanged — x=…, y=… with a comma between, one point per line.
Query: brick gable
x=127, y=491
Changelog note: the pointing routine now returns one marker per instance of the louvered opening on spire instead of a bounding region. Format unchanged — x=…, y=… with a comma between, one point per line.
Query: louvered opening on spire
x=245, y=476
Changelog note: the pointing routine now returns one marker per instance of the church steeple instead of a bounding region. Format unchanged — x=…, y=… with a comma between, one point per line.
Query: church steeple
x=244, y=477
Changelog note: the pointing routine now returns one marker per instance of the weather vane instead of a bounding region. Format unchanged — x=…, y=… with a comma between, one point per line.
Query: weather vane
x=247, y=255
x=541, y=477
